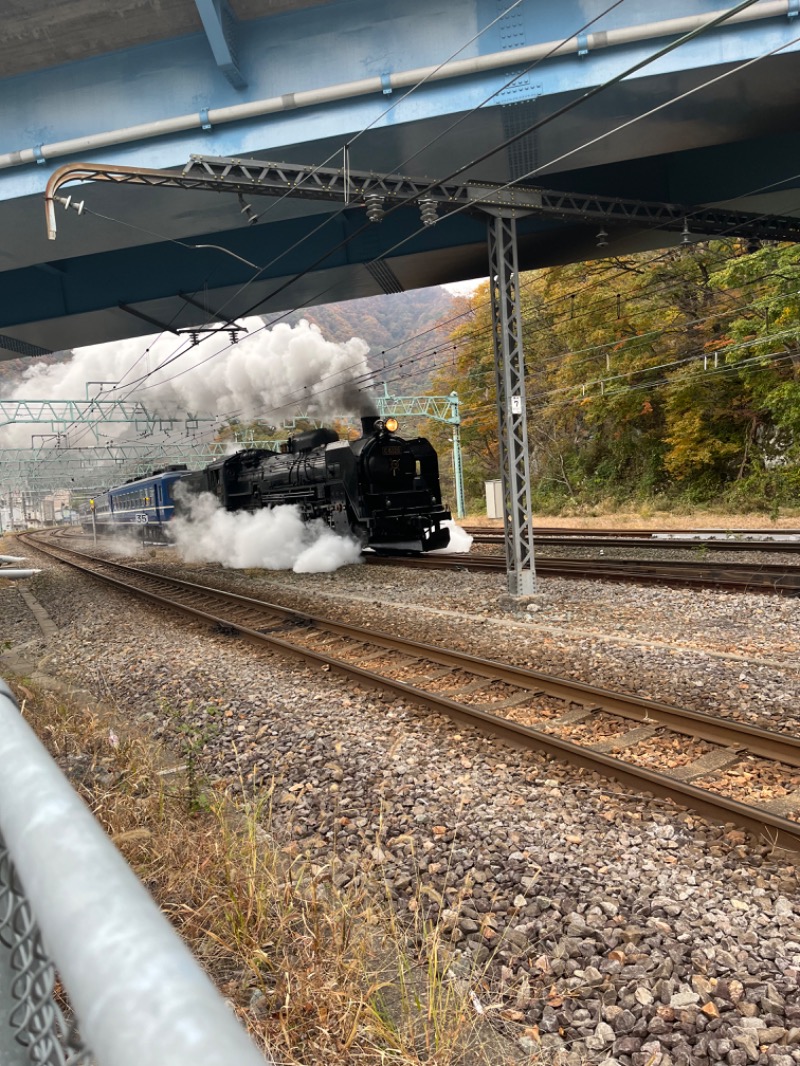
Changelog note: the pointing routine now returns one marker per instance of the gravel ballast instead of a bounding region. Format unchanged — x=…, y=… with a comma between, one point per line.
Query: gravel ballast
x=600, y=927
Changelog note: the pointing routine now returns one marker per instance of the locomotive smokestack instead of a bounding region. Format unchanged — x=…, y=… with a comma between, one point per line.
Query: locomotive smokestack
x=368, y=424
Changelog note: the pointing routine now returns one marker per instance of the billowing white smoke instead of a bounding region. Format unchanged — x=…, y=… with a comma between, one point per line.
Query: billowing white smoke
x=274, y=539
x=124, y=542
x=271, y=373
x=460, y=540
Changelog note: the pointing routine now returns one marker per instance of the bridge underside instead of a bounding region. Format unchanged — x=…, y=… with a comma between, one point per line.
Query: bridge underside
x=118, y=269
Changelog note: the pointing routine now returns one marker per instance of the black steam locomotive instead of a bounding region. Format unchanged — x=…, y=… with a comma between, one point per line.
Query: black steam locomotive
x=380, y=488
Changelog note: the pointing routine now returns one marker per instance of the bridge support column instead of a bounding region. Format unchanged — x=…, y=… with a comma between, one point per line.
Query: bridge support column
x=509, y=365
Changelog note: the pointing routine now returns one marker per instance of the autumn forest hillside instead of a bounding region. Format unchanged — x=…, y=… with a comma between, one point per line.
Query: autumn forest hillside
x=669, y=377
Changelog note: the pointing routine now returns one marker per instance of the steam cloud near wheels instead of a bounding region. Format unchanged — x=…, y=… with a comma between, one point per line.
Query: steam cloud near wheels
x=272, y=539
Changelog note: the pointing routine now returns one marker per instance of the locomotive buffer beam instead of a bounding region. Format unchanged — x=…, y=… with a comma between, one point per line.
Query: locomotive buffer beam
x=373, y=192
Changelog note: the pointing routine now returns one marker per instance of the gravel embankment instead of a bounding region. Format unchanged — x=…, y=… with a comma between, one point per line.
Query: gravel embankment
x=659, y=554
x=625, y=931
x=17, y=624
x=724, y=653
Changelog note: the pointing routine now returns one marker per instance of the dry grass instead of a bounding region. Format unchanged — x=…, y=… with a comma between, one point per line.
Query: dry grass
x=647, y=518
x=318, y=974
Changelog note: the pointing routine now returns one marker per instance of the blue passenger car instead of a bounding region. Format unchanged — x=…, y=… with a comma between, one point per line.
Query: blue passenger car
x=145, y=505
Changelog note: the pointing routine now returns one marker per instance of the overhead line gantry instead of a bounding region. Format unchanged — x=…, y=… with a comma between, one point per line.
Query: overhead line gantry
x=90, y=414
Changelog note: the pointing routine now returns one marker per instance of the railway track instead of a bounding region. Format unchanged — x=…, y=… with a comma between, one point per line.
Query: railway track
x=740, y=576
x=521, y=707
x=722, y=535
x=661, y=541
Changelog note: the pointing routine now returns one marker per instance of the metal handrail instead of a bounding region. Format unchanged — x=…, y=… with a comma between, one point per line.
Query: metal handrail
x=70, y=904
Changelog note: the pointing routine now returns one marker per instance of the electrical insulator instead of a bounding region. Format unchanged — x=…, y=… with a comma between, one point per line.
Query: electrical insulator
x=247, y=210
x=374, y=203
x=427, y=212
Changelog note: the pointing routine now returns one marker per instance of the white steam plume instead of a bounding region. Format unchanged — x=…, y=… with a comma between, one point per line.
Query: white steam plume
x=124, y=541
x=274, y=539
x=272, y=374
x=460, y=540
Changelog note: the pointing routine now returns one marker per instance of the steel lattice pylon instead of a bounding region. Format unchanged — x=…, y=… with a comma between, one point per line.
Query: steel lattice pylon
x=509, y=365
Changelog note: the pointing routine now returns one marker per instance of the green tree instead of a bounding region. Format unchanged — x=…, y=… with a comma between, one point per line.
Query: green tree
x=671, y=373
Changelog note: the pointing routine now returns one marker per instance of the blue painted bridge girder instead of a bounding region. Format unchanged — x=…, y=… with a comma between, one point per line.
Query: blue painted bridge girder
x=296, y=79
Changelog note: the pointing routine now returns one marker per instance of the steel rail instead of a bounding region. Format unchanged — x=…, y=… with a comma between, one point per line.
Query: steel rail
x=661, y=544
x=783, y=580
x=778, y=746
x=567, y=531
x=781, y=831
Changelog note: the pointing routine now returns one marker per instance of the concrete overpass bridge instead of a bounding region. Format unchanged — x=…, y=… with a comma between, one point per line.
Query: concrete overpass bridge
x=645, y=131
x=144, y=84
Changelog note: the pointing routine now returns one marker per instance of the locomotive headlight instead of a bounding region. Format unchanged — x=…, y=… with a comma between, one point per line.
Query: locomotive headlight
x=391, y=425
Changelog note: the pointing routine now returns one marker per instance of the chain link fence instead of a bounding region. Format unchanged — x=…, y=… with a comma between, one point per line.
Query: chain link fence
x=33, y=1028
